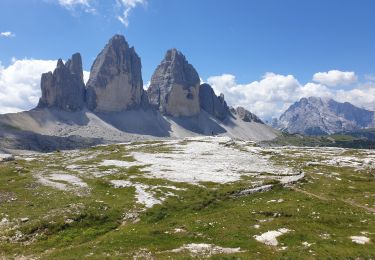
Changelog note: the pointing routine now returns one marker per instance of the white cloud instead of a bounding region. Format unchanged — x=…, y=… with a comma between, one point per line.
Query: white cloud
x=86, y=76
x=362, y=96
x=147, y=85
x=268, y=97
x=128, y=6
x=71, y=5
x=274, y=93
x=20, y=83
x=7, y=34
x=124, y=7
x=314, y=90
x=335, y=78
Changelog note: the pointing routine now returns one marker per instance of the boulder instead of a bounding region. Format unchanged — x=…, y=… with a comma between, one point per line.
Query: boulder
x=174, y=88
x=6, y=157
x=115, y=82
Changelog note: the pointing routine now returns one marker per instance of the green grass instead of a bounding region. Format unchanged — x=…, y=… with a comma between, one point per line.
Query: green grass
x=64, y=225
x=363, y=139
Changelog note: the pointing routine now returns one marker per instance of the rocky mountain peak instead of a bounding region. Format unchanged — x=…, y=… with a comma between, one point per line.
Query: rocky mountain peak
x=64, y=89
x=60, y=63
x=75, y=65
x=115, y=82
x=118, y=40
x=317, y=116
x=172, y=53
x=245, y=115
x=182, y=72
x=174, y=87
x=214, y=105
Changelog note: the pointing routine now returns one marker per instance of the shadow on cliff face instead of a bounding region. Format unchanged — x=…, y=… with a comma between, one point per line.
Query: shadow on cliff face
x=43, y=117
x=26, y=140
x=138, y=121
x=153, y=123
x=201, y=124
x=230, y=120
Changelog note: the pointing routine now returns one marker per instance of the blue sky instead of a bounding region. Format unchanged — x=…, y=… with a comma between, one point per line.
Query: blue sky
x=242, y=38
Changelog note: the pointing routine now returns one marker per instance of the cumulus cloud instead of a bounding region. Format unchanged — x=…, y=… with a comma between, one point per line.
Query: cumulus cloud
x=147, y=85
x=274, y=93
x=7, y=34
x=335, y=78
x=71, y=5
x=20, y=83
x=268, y=97
x=128, y=6
x=86, y=76
x=362, y=96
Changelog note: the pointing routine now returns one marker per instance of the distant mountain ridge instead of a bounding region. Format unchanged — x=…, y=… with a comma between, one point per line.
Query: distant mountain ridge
x=321, y=116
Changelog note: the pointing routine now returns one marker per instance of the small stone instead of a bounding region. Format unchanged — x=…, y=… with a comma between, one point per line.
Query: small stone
x=24, y=219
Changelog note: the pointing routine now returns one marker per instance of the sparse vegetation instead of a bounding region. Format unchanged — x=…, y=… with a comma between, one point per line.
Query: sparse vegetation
x=362, y=139
x=332, y=203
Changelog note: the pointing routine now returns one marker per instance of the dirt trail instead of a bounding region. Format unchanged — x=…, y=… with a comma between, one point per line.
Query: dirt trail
x=311, y=194
x=347, y=201
x=355, y=204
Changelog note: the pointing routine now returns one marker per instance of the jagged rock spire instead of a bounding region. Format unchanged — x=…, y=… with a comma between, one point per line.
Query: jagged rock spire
x=64, y=89
x=115, y=82
x=174, y=87
x=214, y=105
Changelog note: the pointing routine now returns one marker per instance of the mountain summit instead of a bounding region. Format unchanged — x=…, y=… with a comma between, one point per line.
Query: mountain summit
x=319, y=116
x=64, y=89
x=115, y=82
x=174, y=88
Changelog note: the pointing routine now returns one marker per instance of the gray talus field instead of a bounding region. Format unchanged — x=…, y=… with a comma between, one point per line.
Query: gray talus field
x=194, y=197
x=48, y=129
